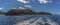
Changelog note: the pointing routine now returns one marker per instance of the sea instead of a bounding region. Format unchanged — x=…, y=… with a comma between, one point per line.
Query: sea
x=30, y=20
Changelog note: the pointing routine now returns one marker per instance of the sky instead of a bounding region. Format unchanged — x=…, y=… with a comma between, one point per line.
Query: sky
x=52, y=6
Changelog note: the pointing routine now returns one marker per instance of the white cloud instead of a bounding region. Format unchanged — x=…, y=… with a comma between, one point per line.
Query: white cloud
x=21, y=8
x=28, y=6
x=24, y=1
x=13, y=8
x=44, y=1
x=1, y=8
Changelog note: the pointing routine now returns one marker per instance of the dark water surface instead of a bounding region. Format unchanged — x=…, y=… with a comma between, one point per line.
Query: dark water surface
x=13, y=20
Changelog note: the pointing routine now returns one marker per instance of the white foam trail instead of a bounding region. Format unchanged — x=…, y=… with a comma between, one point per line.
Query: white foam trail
x=39, y=21
x=26, y=22
x=36, y=21
x=50, y=21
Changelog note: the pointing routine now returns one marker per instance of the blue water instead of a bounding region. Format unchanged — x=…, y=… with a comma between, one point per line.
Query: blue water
x=10, y=20
x=4, y=20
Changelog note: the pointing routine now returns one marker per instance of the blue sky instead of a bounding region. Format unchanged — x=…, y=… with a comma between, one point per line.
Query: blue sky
x=52, y=6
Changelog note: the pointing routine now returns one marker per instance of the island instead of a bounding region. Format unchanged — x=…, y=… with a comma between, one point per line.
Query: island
x=2, y=12
x=20, y=12
x=45, y=13
x=25, y=12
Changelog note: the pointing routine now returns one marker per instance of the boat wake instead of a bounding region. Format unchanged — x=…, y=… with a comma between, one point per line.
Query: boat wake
x=38, y=21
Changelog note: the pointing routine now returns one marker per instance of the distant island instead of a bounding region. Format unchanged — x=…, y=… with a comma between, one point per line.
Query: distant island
x=25, y=12
x=45, y=13
x=2, y=12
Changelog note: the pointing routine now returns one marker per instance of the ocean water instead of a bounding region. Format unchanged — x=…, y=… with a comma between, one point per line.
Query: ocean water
x=30, y=20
